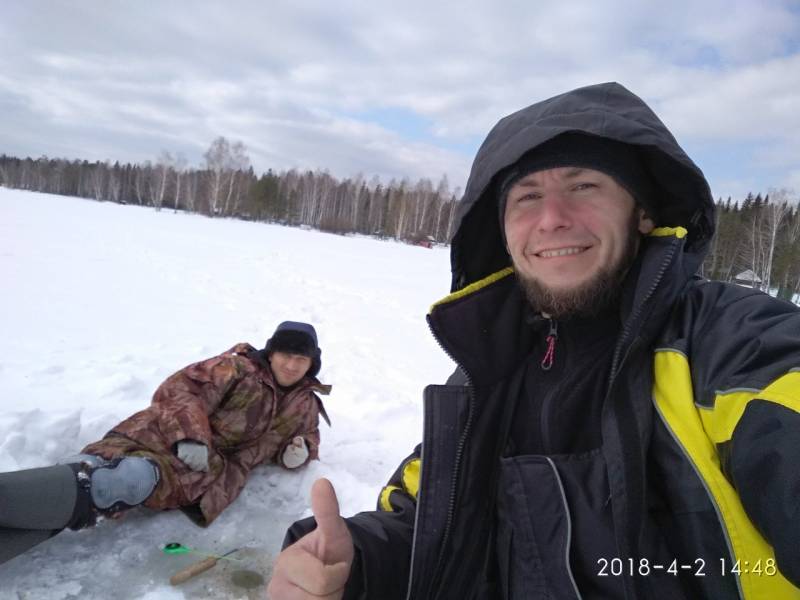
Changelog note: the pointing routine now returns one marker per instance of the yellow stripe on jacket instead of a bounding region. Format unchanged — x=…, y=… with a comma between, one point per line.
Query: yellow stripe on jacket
x=698, y=430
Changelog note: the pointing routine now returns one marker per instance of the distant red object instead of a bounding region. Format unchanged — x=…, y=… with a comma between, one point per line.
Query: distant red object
x=424, y=243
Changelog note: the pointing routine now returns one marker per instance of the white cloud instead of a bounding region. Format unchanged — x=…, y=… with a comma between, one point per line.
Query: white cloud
x=754, y=102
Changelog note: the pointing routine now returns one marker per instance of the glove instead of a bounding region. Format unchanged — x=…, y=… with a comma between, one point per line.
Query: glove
x=296, y=453
x=194, y=455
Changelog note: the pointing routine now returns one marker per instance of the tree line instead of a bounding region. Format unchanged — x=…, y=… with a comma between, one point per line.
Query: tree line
x=757, y=241
x=227, y=186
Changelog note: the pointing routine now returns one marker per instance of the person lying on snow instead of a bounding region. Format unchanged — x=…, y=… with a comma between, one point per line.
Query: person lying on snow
x=193, y=448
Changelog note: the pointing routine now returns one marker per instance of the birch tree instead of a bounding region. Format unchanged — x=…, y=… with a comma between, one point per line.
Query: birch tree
x=775, y=212
x=179, y=167
x=161, y=171
x=237, y=163
x=223, y=161
x=97, y=178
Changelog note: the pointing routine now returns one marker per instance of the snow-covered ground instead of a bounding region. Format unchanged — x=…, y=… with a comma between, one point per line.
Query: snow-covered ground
x=101, y=302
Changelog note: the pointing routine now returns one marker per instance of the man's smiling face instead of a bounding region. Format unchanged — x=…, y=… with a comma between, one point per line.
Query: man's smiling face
x=569, y=231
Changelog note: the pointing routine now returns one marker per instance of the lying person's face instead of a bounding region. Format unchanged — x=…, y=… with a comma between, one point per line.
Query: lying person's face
x=287, y=368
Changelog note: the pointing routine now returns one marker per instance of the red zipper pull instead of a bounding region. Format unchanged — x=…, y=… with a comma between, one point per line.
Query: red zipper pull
x=549, y=355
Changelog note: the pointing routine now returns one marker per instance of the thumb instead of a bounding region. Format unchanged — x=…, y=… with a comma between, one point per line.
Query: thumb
x=333, y=544
x=325, y=507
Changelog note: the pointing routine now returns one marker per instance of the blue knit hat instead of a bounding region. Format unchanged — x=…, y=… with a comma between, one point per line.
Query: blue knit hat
x=294, y=337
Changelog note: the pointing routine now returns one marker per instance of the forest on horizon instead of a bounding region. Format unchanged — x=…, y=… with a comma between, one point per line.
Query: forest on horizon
x=757, y=240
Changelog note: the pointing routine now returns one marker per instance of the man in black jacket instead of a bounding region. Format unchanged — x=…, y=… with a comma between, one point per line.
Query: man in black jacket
x=617, y=426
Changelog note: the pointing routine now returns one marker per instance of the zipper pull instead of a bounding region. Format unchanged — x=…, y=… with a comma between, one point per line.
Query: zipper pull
x=549, y=355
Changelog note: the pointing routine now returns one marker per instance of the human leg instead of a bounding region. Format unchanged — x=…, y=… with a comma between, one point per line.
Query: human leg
x=36, y=504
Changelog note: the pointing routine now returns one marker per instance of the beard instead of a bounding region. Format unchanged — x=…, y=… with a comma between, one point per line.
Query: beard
x=590, y=298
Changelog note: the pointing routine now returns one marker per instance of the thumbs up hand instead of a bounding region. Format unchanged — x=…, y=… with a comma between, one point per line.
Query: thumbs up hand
x=318, y=564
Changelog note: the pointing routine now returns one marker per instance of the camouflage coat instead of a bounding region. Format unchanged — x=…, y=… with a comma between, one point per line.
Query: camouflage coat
x=232, y=404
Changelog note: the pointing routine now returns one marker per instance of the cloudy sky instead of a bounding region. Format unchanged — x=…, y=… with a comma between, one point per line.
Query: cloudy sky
x=393, y=89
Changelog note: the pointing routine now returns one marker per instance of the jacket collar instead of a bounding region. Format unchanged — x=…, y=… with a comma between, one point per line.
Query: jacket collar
x=482, y=326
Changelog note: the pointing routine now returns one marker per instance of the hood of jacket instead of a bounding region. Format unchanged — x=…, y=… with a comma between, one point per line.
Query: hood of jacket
x=608, y=110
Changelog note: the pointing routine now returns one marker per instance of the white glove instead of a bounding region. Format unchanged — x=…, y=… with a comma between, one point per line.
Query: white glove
x=296, y=453
x=194, y=455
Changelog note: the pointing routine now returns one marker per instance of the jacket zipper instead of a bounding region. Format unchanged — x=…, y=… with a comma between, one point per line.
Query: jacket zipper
x=569, y=525
x=551, y=395
x=615, y=363
x=550, y=353
x=454, y=484
x=618, y=359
